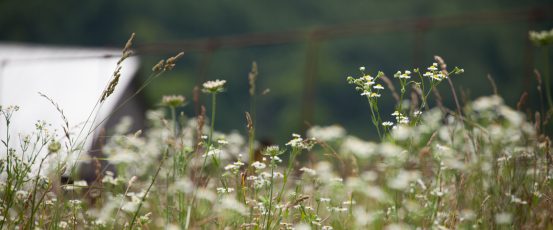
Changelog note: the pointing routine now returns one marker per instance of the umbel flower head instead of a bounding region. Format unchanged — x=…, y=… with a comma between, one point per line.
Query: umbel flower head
x=541, y=38
x=216, y=86
x=173, y=100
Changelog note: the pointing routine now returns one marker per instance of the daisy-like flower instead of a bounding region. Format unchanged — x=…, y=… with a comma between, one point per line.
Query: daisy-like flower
x=433, y=67
x=362, y=68
x=234, y=166
x=369, y=83
x=378, y=86
x=173, y=100
x=374, y=95
x=405, y=75
x=216, y=86
x=387, y=123
x=298, y=142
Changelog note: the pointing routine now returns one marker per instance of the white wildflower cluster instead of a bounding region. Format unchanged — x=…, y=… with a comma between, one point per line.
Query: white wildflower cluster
x=309, y=171
x=328, y=133
x=222, y=190
x=434, y=74
x=430, y=170
x=405, y=75
x=400, y=117
x=213, y=151
x=366, y=84
x=274, y=175
x=358, y=147
x=259, y=181
x=259, y=165
x=299, y=143
x=234, y=167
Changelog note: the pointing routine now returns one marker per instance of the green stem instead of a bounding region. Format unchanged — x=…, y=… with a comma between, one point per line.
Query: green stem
x=210, y=138
x=375, y=122
x=270, y=197
x=147, y=191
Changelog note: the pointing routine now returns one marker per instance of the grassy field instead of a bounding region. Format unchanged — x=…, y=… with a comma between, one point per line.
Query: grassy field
x=478, y=165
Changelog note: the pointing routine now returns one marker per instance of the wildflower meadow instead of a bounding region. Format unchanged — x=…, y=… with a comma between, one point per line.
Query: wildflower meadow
x=480, y=164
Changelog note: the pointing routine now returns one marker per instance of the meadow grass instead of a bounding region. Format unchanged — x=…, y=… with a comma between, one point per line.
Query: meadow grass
x=480, y=165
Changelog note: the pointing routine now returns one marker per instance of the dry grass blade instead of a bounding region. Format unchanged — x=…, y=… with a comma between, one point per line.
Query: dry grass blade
x=522, y=100
x=252, y=77
x=492, y=82
x=390, y=87
x=443, y=66
x=63, y=117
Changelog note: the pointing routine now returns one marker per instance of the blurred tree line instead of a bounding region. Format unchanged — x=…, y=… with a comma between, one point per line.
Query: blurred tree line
x=499, y=49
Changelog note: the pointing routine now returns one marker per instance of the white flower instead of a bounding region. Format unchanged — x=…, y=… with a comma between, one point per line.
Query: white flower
x=358, y=147
x=275, y=158
x=258, y=165
x=369, y=83
x=298, y=142
x=403, y=120
x=231, y=167
x=214, y=86
x=63, y=225
x=517, y=200
x=387, y=123
x=374, y=95
x=80, y=183
x=362, y=68
x=433, y=67
x=75, y=202
x=221, y=190
x=328, y=133
x=349, y=202
x=173, y=100
x=368, y=77
x=378, y=86
x=212, y=152
x=403, y=178
x=324, y=199
x=309, y=171
x=405, y=75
